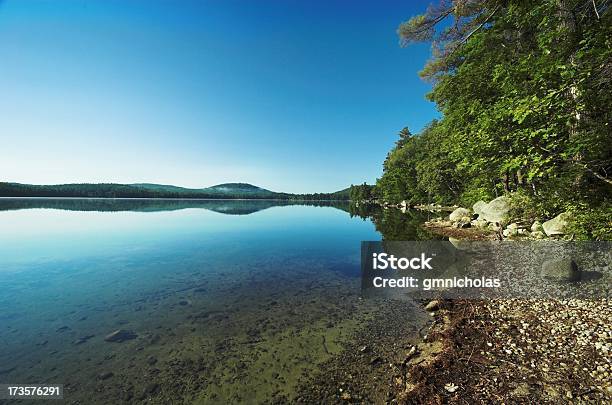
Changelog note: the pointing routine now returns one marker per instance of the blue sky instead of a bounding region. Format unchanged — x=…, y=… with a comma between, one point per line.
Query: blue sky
x=296, y=96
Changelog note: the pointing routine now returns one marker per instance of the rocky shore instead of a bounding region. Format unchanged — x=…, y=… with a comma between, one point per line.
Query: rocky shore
x=515, y=351
x=492, y=220
x=511, y=350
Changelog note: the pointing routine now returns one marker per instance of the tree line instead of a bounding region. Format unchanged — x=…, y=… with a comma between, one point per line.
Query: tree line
x=525, y=94
x=111, y=190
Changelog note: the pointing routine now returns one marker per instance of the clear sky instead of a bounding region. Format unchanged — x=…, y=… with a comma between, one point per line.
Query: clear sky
x=296, y=96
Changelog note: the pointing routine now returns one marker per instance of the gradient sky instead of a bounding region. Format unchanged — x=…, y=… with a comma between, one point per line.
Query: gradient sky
x=296, y=96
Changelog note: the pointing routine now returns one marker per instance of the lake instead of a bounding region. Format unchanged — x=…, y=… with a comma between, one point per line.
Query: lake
x=215, y=301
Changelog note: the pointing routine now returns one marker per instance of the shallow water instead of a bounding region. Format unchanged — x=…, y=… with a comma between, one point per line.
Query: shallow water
x=228, y=300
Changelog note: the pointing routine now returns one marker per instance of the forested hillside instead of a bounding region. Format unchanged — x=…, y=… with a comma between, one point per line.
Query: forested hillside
x=147, y=190
x=525, y=92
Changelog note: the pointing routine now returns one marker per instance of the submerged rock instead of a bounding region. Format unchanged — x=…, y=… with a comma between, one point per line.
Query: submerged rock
x=105, y=376
x=120, y=335
x=561, y=270
x=151, y=388
x=557, y=225
x=82, y=339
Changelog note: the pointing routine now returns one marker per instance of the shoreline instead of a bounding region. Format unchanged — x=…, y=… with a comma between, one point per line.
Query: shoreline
x=534, y=351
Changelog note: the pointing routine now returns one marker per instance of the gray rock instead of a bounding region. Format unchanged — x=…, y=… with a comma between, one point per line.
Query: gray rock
x=478, y=207
x=432, y=306
x=82, y=339
x=151, y=388
x=105, y=376
x=537, y=227
x=480, y=223
x=463, y=223
x=120, y=335
x=459, y=213
x=557, y=225
x=497, y=210
x=511, y=230
x=561, y=270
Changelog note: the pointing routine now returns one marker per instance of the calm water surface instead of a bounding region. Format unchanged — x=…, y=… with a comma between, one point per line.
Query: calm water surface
x=223, y=300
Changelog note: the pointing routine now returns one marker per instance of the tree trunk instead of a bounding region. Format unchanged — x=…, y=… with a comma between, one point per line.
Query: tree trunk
x=507, y=182
x=519, y=178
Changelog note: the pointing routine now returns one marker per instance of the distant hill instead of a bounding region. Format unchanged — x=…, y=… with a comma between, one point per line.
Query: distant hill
x=149, y=190
x=238, y=186
x=342, y=194
x=233, y=189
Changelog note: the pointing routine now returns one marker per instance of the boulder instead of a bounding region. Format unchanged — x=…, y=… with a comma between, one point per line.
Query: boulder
x=478, y=207
x=497, y=210
x=463, y=223
x=508, y=232
x=459, y=213
x=480, y=223
x=513, y=230
x=557, y=225
x=561, y=270
x=537, y=227
x=538, y=235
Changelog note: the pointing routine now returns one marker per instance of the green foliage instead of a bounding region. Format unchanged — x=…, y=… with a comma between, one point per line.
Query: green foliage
x=591, y=223
x=362, y=192
x=420, y=169
x=524, y=206
x=474, y=193
x=525, y=93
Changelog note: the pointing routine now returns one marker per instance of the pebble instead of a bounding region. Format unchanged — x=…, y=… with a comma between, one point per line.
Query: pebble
x=120, y=335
